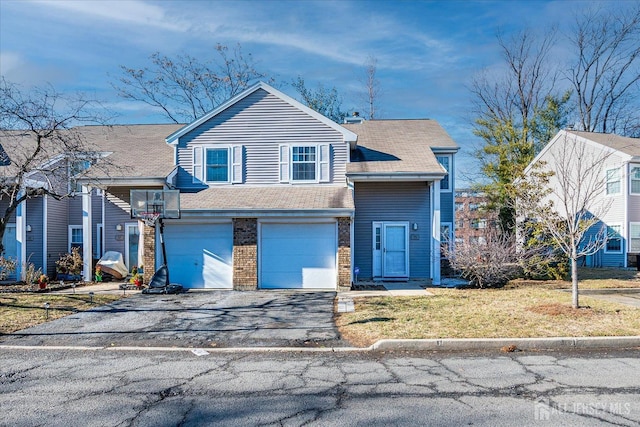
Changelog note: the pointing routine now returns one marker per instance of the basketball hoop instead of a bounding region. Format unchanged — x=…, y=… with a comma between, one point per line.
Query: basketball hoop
x=149, y=218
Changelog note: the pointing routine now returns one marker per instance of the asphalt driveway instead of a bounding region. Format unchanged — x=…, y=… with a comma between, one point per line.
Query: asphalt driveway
x=196, y=319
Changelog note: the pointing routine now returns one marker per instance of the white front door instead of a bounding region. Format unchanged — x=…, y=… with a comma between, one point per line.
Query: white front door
x=391, y=249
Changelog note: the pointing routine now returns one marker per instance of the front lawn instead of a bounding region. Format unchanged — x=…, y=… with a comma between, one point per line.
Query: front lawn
x=23, y=310
x=521, y=309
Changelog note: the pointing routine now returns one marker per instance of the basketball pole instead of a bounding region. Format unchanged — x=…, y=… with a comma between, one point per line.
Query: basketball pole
x=164, y=249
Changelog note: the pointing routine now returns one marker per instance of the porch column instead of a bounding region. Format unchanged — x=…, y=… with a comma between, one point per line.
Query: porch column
x=21, y=238
x=435, y=232
x=87, y=244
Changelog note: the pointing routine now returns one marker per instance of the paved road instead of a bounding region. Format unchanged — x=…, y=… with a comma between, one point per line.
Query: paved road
x=142, y=388
x=196, y=319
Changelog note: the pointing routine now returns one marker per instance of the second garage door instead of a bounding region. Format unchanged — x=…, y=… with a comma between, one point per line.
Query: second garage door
x=199, y=255
x=298, y=256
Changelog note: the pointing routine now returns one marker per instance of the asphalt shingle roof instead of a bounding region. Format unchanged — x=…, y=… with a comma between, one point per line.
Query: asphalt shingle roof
x=285, y=197
x=398, y=146
x=624, y=144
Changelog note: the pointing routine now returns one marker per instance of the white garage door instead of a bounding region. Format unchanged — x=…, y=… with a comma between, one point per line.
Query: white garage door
x=298, y=256
x=199, y=255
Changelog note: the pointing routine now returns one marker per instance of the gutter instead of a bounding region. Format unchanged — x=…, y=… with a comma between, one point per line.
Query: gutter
x=262, y=213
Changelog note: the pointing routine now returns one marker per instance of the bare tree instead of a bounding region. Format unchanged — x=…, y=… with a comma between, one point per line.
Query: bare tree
x=372, y=87
x=508, y=107
x=564, y=194
x=40, y=148
x=488, y=261
x=606, y=72
x=184, y=88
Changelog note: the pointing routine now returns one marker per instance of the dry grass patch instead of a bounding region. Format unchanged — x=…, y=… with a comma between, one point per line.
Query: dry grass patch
x=20, y=311
x=485, y=313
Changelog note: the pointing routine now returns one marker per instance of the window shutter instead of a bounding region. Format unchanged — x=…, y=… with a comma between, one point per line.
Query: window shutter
x=324, y=169
x=284, y=163
x=236, y=164
x=197, y=165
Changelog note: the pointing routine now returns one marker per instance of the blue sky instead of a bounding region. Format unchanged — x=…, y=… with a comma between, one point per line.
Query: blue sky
x=427, y=51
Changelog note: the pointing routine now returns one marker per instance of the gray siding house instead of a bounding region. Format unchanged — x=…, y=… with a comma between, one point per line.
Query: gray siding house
x=275, y=195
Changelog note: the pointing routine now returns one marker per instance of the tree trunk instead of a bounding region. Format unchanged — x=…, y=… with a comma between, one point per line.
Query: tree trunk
x=574, y=282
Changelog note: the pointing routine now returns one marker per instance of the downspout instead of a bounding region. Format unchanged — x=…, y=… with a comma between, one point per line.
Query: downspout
x=435, y=232
x=45, y=230
x=626, y=189
x=87, y=247
x=21, y=237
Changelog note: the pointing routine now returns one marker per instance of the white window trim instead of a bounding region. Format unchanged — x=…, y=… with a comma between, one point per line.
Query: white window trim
x=234, y=163
x=204, y=163
x=322, y=163
x=631, y=167
x=607, y=182
x=620, y=233
x=631, y=225
x=316, y=163
x=73, y=227
x=450, y=241
x=449, y=189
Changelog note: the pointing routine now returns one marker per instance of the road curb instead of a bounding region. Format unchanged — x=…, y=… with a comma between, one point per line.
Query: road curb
x=445, y=344
x=459, y=344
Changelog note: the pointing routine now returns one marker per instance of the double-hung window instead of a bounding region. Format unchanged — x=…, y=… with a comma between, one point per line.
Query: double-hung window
x=303, y=163
x=445, y=183
x=75, y=237
x=614, y=239
x=634, y=184
x=634, y=237
x=76, y=169
x=216, y=165
x=613, y=181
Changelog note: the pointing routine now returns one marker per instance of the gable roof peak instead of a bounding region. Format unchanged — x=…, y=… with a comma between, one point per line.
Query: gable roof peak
x=348, y=135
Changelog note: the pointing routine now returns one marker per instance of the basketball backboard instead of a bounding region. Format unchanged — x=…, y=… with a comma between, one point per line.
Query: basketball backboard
x=164, y=203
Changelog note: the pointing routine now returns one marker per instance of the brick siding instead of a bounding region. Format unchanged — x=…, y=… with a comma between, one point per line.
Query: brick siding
x=245, y=254
x=344, y=254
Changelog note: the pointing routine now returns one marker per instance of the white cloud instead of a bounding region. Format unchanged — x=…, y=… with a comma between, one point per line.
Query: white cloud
x=123, y=11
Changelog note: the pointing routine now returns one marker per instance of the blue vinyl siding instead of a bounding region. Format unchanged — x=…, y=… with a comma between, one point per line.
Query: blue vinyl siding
x=381, y=201
x=35, y=236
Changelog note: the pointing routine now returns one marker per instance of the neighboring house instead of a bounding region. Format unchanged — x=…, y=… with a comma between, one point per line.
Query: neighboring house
x=621, y=171
x=275, y=195
x=472, y=216
x=43, y=228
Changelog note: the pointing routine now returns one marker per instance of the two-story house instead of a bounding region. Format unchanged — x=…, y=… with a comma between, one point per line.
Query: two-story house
x=275, y=195
x=620, y=171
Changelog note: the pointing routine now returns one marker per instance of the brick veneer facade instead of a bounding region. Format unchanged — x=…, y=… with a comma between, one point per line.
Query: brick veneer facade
x=344, y=254
x=148, y=252
x=245, y=254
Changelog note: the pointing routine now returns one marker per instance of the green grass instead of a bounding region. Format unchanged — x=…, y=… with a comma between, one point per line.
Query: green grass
x=520, y=309
x=22, y=310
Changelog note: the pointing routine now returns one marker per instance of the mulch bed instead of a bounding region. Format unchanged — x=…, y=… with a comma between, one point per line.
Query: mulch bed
x=367, y=287
x=21, y=287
